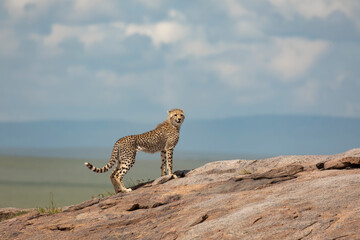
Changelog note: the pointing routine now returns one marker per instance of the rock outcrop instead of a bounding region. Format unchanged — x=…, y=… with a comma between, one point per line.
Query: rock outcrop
x=6, y=213
x=287, y=197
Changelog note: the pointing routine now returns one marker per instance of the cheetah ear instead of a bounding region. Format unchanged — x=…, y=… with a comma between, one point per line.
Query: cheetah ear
x=168, y=111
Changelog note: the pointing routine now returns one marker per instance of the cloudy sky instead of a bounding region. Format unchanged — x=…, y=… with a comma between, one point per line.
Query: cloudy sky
x=132, y=60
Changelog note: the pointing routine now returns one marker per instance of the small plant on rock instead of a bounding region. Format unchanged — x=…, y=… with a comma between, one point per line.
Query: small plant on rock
x=51, y=209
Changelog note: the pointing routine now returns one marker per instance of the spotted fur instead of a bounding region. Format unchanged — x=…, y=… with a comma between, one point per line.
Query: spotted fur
x=162, y=139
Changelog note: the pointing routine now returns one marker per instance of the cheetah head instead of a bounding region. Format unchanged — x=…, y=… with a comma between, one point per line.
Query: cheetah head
x=176, y=116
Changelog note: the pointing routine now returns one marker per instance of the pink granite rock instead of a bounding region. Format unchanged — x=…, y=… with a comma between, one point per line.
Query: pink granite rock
x=285, y=197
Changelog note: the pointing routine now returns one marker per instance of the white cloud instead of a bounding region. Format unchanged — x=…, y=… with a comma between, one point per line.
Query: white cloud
x=246, y=22
x=288, y=58
x=235, y=9
x=177, y=15
x=164, y=32
x=243, y=87
x=319, y=8
x=91, y=8
x=234, y=60
x=104, y=77
x=200, y=49
x=248, y=29
x=307, y=8
x=91, y=34
x=26, y=8
x=58, y=34
x=153, y=4
x=295, y=56
x=87, y=35
x=227, y=70
x=103, y=85
x=88, y=5
x=68, y=10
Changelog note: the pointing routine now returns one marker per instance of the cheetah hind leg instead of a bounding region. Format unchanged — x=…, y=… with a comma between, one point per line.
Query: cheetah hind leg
x=116, y=180
x=113, y=180
x=123, y=169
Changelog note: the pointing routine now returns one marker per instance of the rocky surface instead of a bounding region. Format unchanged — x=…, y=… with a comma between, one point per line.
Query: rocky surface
x=287, y=197
x=6, y=213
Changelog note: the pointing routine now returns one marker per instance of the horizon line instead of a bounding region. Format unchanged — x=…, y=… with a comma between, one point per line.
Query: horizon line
x=194, y=119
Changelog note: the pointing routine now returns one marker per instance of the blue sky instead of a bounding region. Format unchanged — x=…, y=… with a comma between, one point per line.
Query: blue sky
x=133, y=60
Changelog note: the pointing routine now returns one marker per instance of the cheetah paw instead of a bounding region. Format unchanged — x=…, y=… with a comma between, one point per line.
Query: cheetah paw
x=126, y=190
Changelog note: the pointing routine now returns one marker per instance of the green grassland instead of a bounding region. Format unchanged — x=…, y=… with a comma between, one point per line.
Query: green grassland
x=27, y=182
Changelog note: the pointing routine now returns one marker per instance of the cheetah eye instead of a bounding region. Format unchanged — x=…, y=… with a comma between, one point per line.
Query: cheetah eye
x=182, y=115
x=175, y=115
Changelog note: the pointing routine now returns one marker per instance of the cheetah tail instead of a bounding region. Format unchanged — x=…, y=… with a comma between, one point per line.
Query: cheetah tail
x=110, y=164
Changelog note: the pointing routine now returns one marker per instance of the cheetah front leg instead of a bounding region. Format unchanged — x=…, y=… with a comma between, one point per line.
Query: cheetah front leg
x=163, y=163
x=169, y=158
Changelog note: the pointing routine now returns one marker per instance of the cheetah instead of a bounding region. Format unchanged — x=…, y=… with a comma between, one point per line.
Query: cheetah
x=162, y=139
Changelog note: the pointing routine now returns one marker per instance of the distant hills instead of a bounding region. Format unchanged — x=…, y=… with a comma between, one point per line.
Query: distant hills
x=253, y=135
